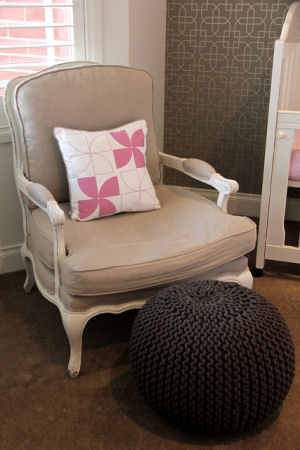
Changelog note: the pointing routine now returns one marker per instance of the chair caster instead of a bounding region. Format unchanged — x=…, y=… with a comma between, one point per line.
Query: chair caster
x=257, y=273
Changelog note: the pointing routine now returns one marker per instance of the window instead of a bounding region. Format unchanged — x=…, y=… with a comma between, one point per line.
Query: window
x=35, y=34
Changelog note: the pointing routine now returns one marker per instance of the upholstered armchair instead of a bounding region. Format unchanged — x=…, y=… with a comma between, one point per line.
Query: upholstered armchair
x=114, y=263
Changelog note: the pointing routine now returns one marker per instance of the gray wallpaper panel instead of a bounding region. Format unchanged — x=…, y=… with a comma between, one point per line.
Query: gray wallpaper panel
x=218, y=75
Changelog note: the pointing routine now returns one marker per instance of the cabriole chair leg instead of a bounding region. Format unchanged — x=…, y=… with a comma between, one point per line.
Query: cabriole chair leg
x=74, y=324
x=29, y=281
x=257, y=272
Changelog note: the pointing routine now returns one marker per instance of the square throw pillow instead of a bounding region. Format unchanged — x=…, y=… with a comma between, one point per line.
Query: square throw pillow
x=107, y=171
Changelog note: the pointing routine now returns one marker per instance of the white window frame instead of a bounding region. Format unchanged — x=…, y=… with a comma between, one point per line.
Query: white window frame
x=88, y=45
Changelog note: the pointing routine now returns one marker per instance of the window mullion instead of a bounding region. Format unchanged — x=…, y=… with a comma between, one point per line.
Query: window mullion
x=93, y=29
x=49, y=34
x=79, y=30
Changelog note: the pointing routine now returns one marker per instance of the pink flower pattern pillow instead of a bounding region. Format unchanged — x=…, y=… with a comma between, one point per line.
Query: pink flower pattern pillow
x=107, y=171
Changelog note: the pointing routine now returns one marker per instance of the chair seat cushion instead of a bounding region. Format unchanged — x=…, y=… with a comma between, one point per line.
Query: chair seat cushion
x=131, y=251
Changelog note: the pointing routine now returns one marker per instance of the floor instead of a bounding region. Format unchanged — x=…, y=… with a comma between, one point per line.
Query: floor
x=41, y=408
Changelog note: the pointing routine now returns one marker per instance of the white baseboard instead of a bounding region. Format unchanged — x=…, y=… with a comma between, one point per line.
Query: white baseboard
x=5, y=135
x=240, y=204
x=10, y=259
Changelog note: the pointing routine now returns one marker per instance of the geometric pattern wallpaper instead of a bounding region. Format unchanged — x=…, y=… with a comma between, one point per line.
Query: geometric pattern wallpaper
x=219, y=59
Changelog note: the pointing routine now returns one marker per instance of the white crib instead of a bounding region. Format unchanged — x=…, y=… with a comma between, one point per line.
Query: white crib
x=283, y=137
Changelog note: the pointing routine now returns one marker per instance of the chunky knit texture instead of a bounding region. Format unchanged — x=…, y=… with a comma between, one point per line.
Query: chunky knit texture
x=212, y=356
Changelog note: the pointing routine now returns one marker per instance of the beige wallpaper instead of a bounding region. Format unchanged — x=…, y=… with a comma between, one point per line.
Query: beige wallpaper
x=218, y=75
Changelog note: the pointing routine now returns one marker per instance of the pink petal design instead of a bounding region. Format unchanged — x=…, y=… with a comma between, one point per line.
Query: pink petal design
x=87, y=207
x=121, y=137
x=88, y=186
x=106, y=207
x=139, y=158
x=122, y=156
x=110, y=188
x=137, y=139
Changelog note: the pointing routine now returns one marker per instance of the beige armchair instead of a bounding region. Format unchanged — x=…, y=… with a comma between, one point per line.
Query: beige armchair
x=80, y=266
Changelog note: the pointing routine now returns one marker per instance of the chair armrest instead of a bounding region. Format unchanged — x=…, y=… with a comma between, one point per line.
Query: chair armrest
x=43, y=198
x=204, y=172
x=39, y=194
x=196, y=168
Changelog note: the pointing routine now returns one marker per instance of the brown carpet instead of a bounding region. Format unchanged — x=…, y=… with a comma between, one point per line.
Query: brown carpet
x=41, y=408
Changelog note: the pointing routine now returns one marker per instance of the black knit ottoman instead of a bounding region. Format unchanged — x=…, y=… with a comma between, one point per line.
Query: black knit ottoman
x=212, y=356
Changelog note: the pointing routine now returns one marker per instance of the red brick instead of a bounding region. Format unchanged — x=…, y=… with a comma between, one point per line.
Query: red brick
x=12, y=14
x=19, y=1
x=38, y=51
x=58, y=15
x=27, y=59
x=62, y=1
x=64, y=52
x=16, y=51
x=12, y=41
x=28, y=33
x=62, y=34
x=4, y=59
x=9, y=74
x=35, y=14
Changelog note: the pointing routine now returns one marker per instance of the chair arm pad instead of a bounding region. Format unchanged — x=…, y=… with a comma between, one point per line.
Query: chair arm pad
x=197, y=169
x=204, y=172
x=42, y=198
x=39, y=194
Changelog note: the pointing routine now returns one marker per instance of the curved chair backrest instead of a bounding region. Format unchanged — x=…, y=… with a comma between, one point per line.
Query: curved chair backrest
x=83, y=96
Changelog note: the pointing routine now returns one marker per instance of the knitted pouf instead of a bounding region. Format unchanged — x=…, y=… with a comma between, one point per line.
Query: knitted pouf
x=212, y=356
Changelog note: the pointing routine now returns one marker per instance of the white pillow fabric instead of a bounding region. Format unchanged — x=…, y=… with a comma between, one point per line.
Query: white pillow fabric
x=107, y=171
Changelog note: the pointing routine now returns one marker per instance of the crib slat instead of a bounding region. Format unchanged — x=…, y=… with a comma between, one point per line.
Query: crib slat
x=281, y=163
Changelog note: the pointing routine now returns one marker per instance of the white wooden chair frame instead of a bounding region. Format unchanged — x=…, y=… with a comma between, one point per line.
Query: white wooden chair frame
x=74, y=322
